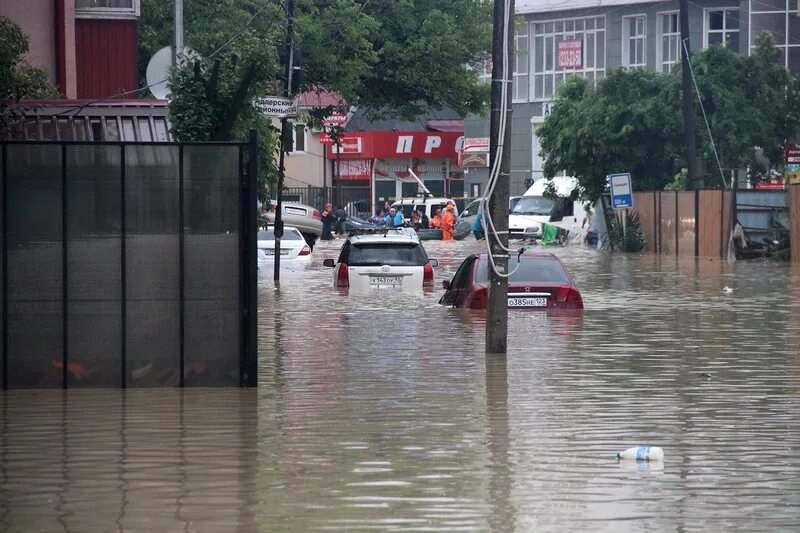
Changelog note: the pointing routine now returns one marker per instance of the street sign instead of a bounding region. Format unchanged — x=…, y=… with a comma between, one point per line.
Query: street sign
x=277, y=106
x=335, y=120
x=621, y=191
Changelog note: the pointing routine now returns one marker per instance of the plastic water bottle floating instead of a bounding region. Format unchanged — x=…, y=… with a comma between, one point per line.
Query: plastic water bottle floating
x=642, y=453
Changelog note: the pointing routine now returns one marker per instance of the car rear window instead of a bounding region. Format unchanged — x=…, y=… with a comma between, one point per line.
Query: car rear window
x=393, y=254
x=288, y=235
x=530, y=269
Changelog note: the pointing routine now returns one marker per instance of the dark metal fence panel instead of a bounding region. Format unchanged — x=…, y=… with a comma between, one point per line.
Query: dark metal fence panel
x=93, y=229
x=211, y=190
x=127, y=264
x=35, y=266
x=152, y=265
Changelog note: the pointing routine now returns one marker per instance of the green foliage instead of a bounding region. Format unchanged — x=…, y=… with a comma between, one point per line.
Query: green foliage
x=18, y=80
x=390, y=54
x=625, y=233
x=631, y=121
x=679, y=182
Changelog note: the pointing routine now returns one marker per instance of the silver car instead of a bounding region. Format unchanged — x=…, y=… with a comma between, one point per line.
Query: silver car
x=307, y=219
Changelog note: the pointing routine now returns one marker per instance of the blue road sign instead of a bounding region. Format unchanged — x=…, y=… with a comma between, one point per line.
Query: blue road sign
x=621, y=191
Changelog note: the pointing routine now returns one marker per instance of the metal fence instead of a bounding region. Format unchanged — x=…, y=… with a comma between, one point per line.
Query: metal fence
x=355, y=200
x=127, y=264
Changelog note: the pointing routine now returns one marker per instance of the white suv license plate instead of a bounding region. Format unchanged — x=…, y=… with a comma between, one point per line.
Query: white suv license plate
x=295, y=211
x=385, y=281
x=271, y=251
x=527, y=302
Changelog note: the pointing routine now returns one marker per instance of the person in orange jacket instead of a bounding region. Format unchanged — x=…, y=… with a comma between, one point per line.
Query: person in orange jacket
x=436, y=220
x=448, y=221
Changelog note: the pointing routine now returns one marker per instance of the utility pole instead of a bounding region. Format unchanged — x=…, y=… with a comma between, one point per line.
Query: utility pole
x=692, y=180
x=497, y=305
x=177, y=51
x=285, y=133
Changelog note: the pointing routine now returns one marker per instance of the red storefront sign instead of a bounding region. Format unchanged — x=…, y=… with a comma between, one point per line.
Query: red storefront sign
x=393, y=144
x=335, y=119
x=570, y=53
x=355, y=169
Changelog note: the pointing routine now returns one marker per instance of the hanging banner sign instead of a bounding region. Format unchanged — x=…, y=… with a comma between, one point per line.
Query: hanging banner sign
x=570, y=53
x=474, y=152
x=335, y=119
x=277, y=106
x=791, y=164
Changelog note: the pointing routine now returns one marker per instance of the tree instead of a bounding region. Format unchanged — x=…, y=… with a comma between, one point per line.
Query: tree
x=630, y=122
x=18, y=80
x=375, y=53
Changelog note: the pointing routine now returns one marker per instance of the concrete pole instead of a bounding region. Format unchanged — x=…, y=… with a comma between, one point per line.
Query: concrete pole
x=177, y=52
x=497, y=305
x=693, y=180
x=285, y=133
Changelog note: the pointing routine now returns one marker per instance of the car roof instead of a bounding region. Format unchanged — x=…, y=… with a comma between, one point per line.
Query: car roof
x=390, y=237
x=526, y=255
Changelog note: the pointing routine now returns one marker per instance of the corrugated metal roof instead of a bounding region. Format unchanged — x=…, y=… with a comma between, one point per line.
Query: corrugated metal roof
x=321, y=98
x=529, y=7
x=386, y=120
x=445, y=125
x=85, y=120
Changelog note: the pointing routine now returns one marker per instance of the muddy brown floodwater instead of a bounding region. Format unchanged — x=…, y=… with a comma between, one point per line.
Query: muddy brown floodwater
x=381, y=412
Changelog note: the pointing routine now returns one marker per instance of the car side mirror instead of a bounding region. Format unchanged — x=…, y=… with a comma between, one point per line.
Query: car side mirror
x=328, y=263
x=434, y=262
x=446, y=284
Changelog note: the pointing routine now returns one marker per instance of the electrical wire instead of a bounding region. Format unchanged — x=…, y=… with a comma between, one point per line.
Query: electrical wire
x=703, y=109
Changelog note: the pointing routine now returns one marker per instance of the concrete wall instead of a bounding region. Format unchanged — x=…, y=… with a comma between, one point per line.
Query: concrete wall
x=37, y=20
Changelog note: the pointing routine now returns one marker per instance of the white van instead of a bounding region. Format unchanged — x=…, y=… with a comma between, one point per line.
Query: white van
x=407, y=205
x=525, y=220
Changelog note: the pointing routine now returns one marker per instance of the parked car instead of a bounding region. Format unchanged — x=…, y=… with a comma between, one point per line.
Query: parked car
x=305, y=218
x=293, y=246
x=534, y=208
x=471, y=211
x=540, y=283
x=407, y=205
x=388, y=258
x=353, y=223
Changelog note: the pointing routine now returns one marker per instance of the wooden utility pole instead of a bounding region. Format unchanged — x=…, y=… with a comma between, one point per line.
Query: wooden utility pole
x=285, y=136
x=497, y=305
x=693, y=180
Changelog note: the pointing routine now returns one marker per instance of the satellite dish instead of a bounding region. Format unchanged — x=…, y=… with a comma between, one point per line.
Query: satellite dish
x=157, y=73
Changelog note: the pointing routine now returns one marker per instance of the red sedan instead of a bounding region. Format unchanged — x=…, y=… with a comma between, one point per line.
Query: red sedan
x=540, y=283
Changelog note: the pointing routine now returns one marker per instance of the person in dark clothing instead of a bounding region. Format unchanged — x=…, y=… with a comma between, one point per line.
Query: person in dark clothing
x=340, y=215
x=424, y=223
x=327, y=223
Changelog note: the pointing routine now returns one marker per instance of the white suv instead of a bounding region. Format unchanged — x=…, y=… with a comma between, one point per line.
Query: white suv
x=430, y=205
x=379, y=259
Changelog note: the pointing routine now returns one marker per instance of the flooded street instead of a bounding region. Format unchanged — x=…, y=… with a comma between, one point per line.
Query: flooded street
x=381, y=412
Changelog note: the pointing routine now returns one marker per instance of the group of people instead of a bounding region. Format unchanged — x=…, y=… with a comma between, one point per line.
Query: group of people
x=443, y=219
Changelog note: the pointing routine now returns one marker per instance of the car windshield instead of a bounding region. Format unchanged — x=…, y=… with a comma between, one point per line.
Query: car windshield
x=534, y=205
x=531, y=269
x=393, y=254
x=288, y=235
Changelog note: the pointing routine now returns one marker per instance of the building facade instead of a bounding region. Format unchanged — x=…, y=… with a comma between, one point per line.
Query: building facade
x=88, y=47
x=591, y=37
